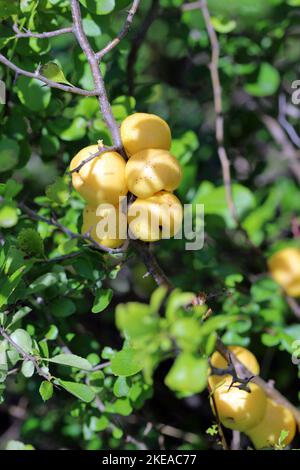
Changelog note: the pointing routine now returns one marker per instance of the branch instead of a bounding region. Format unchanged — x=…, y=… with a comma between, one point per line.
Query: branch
x=97, y=76
x=152, y=265
x=137, y=41
x=281, y=139
x=220, y=428
x=50, y=83
x=122, y=33
x=91, y=157
x=47, y=34
x=217, y=92
x=33, y=215
x=287, y=126
x=268, y=388
x=25, y=355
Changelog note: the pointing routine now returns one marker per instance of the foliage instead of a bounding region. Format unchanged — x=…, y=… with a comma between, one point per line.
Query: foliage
x=94, y=341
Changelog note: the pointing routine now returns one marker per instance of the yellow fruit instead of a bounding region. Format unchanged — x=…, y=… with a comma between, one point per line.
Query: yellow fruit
x=276, y=419
x=284, y=267
x=239, y=409
x=102, y=179
x=142, y=131
x=152, y=170
x=107, y=233
x=243, y=354
x=159, y=216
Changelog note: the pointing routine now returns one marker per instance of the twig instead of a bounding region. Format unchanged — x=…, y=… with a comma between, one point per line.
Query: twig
x=47, y=34
x=288, y=150
x=294, y=306
x=25, y=355
x=287, y=126
x=137, y=41
x=97, y=75
x=33, y=215
x=152, y=265
x=38, y=76
x=122, y=33
x=220, y=428
x=91, y=157
x=217, y=92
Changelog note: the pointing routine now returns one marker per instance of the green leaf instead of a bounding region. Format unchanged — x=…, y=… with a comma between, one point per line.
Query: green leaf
x=27, y=369
x=81, y=391
x=187, y=333
x=53, y=72
x=8, y=215
x=8, y=8
x=121, y=388
x=10, y=284
x=71, y=360
x=69, y=130
x=22, y=339
x=12, y=188
x=136, y=320
x=214, y=201
x=267, y=83
x=33, y=93
x=100, y=8
x=58, y=191
x=62, y=307
x=91, y=28
x=218, y=322
x=223, y=26
x=9, y=154
x=102, y=299
x=46, y=390
x=127, y=362
x=188, y=375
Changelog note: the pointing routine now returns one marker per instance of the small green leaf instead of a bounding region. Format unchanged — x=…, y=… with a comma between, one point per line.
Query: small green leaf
x=121, y=388
x=127, y=362
x=188, y=375
x=71, y=360
x=53, y=72
x=27, y=369
x=22, y=339
x=99, y=8
x=33, y=94
x=62, y=308
x=81, y=391
x=8, y=214
x=46, y=390
x=58, y=191
x=267, y=83
x=9, y=154
x=102, y=300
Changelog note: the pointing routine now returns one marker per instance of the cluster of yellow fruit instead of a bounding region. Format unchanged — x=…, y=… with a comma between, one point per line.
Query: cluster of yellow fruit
x=285, y=269
x=259, y=417
x=151, y=174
